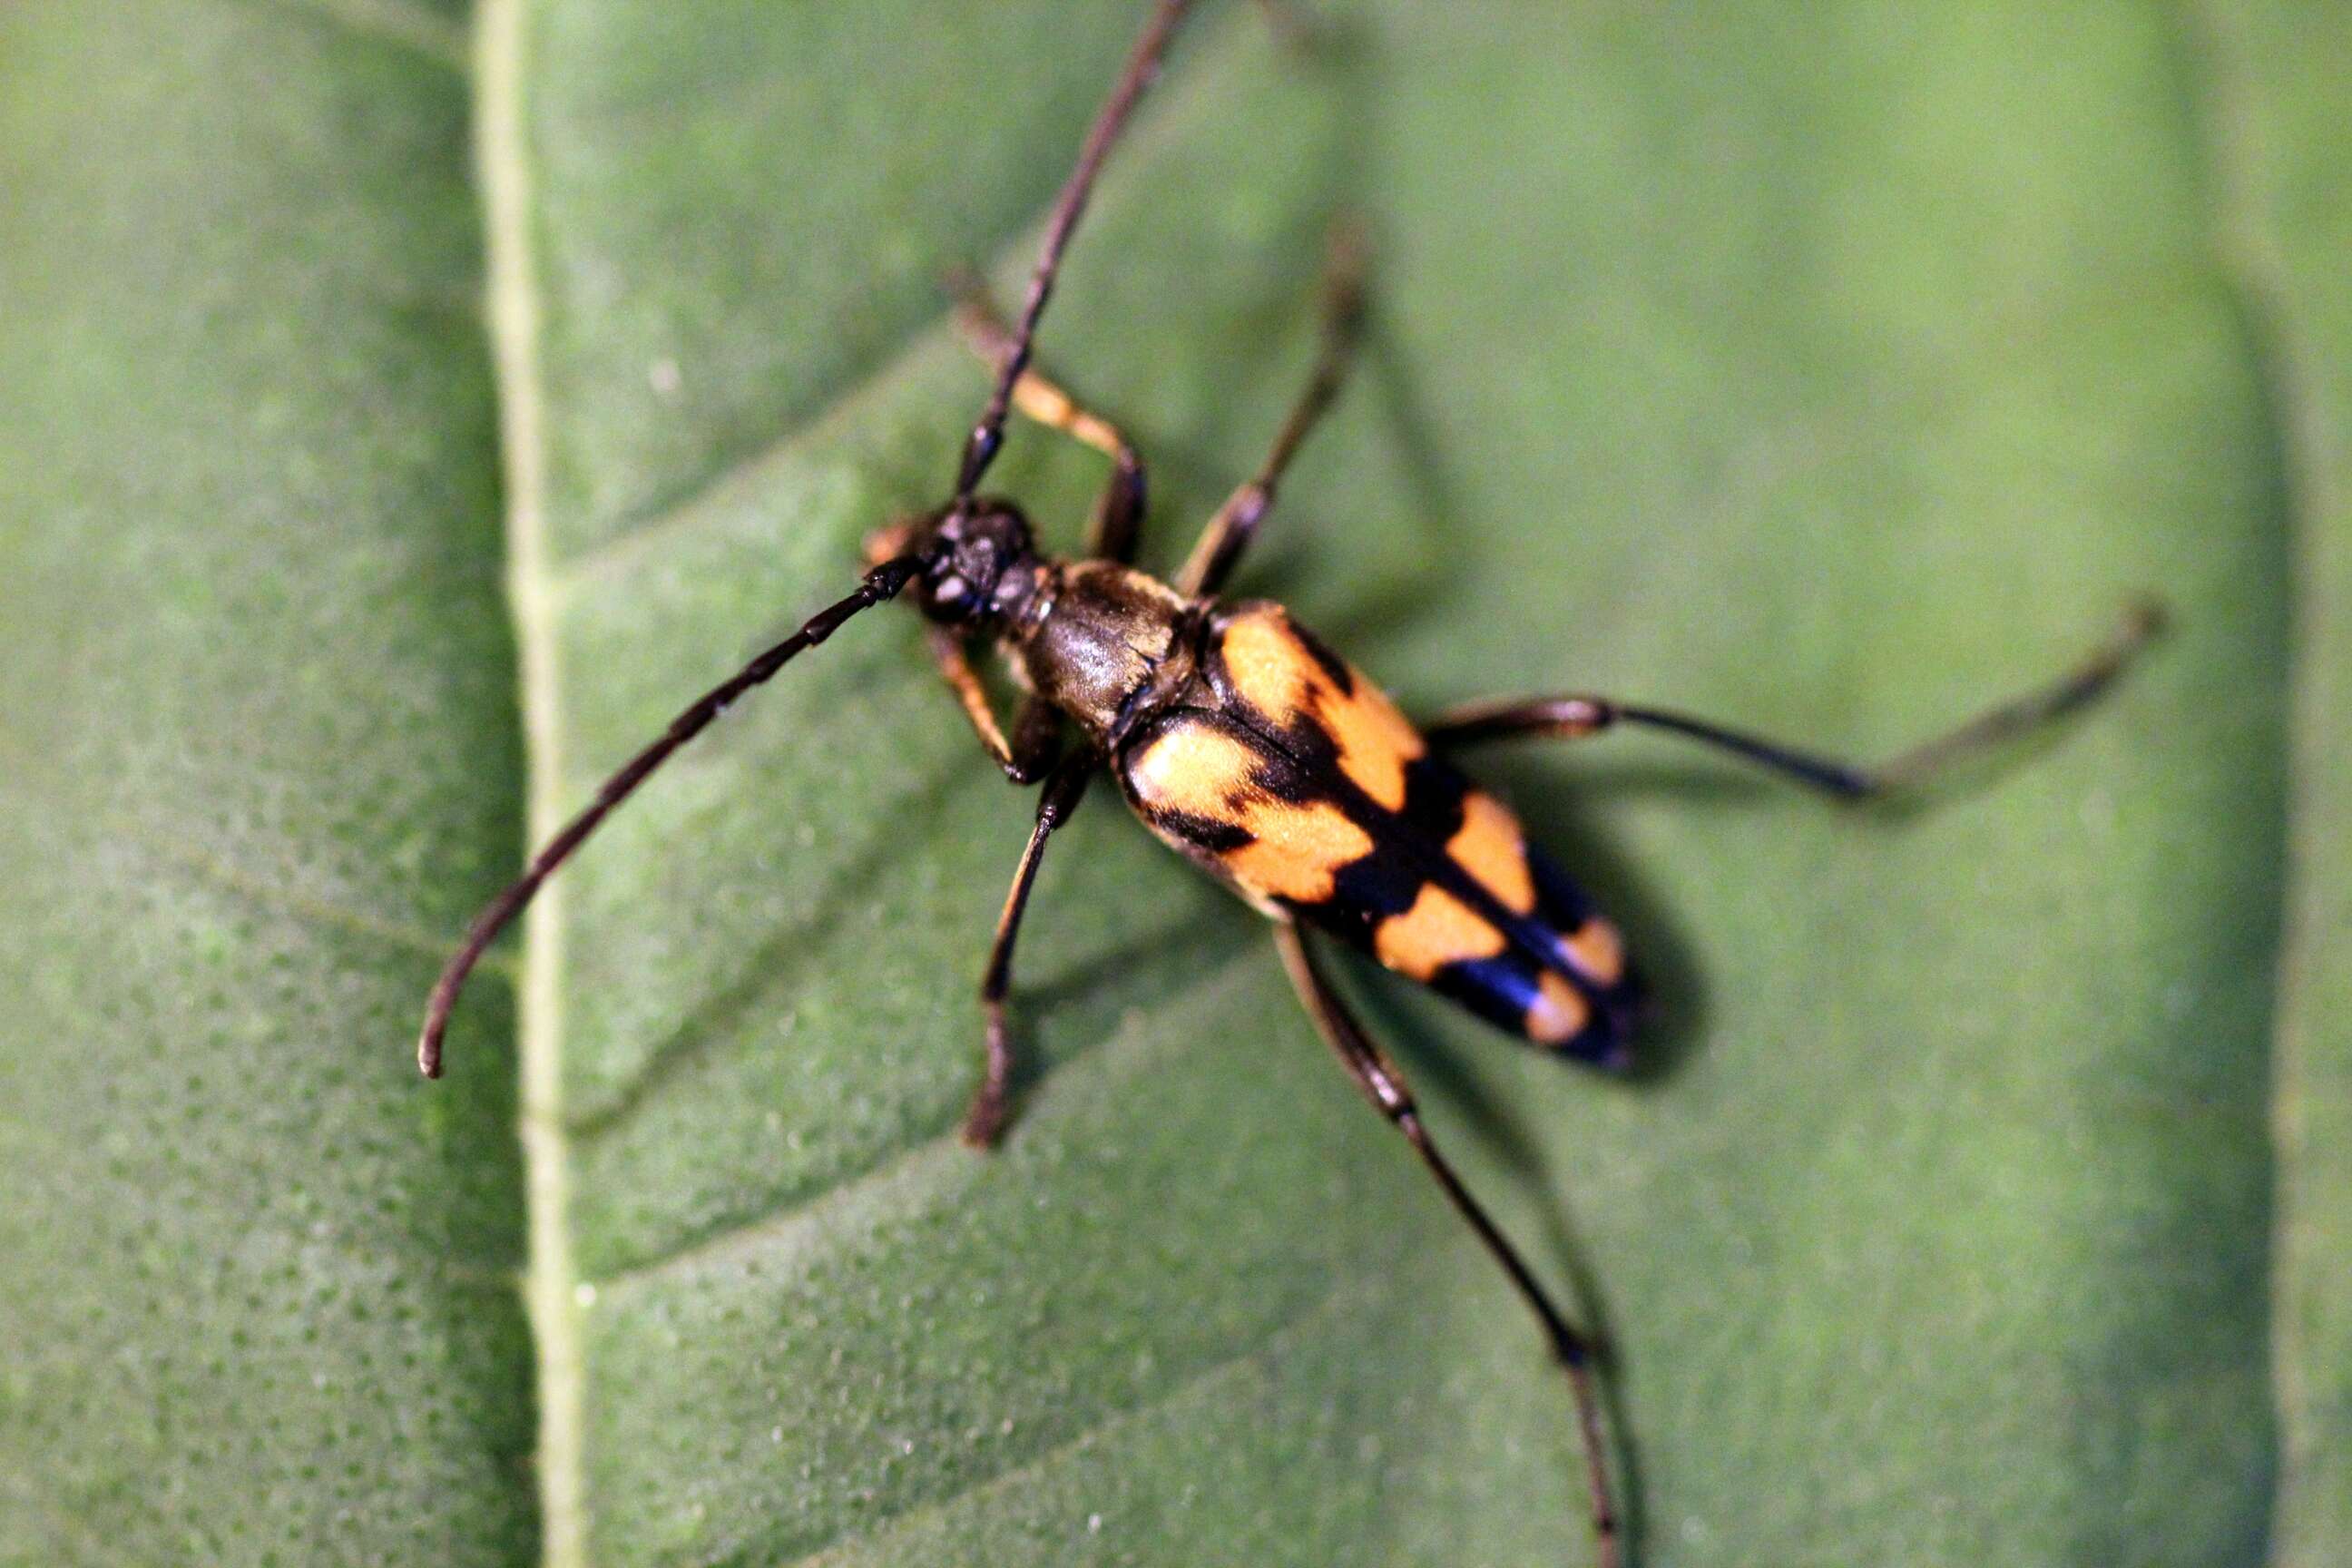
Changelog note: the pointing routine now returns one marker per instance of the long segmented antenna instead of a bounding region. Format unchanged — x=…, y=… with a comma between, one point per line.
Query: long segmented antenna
x=1142, y=66
x=882, y=583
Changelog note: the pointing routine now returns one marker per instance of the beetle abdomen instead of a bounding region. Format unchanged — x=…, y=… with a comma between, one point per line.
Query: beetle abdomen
x=1295, y=781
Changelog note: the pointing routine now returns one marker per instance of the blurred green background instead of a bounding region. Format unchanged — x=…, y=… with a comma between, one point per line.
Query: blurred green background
x=1831, y=368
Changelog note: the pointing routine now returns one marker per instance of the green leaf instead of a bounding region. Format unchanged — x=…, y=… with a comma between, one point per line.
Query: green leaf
x=258, y=756
x=2287, y=218
x=1828, y=372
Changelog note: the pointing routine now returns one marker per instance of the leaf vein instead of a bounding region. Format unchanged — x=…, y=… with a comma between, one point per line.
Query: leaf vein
x=918, y=1168
x=1194, y=1383
x=231, y=877
x=2236, y=158
x=503, y=150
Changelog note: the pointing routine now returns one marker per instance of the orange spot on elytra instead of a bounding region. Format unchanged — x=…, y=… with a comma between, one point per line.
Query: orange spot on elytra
x=1193, y=768
x=1491, y=847
x=1439, y=930
x=1597, y=951
x=1279, y=675
x=1558, y=1013
x=1295, y=849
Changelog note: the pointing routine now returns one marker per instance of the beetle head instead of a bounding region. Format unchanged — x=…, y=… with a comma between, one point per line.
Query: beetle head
x=976, y=562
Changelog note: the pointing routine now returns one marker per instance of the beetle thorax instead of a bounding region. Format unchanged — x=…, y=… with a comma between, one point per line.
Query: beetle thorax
x=1100, y=641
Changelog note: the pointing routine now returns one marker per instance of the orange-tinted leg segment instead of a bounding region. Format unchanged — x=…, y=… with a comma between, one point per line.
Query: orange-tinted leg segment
x=1118, y=512
x=1110, y=122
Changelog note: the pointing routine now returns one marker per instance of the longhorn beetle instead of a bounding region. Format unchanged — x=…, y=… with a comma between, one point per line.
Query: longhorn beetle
x=1256, y=753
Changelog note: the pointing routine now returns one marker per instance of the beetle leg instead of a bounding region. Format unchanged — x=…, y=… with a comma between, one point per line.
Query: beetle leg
x=1036, y=739
x=1064, y=789
x=954, y=662
x=1142, y=66
x=1118, y=512
x=1390, y=1094
x=1571, y=717
x=1037, y=729
x=1221, y=544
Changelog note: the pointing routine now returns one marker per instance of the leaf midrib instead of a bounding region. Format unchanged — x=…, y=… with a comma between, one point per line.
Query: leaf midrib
x=538, y=580
x=2230, y=146
x=2247, y=259
x=502, y=140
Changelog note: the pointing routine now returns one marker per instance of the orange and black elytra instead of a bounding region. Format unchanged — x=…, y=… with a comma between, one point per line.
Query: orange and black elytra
x=1250, y=748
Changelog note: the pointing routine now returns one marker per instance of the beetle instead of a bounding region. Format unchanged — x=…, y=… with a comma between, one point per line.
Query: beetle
x=1243, y=743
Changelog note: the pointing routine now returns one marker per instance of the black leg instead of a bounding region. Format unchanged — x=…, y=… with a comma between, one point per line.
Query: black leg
x=1064, y=787
x=1142, y=66
x=1389, y=1093
x=1119, y=513
x=1036, y=736
x=1569, y=718
x=1221, y=544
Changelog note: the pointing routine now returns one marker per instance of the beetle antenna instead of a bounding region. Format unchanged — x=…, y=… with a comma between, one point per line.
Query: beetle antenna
x=882, y=584
x=1142, y=66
